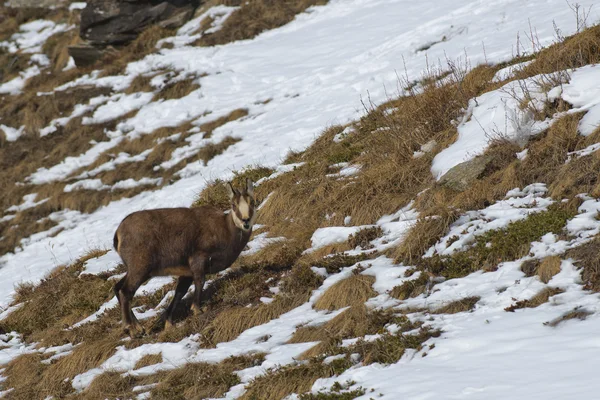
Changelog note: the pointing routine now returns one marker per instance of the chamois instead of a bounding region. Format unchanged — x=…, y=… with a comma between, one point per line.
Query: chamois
x=185, y=242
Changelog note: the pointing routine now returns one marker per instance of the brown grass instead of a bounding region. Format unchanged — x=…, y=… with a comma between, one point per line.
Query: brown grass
x=281, y=382
x=577, y=313
x=364, y=237
x=148, y=359
x=587, y=256
x=177, y=90
x=230, y=322
x=549, y=267
x=202, y=380
x=462, y=305
x=254, y=17
x=424, y=234
x=542, y=297
x=63, y=298
x=33, y=380
x=210, y=126
x=357, y=321
x=351, y=291
x=411, y=288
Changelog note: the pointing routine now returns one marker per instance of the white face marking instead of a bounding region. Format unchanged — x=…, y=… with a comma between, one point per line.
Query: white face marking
x=244, y=208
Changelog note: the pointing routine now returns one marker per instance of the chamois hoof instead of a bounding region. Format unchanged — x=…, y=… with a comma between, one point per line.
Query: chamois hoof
x=198, y=310
x=168, y=325
x=135, y=331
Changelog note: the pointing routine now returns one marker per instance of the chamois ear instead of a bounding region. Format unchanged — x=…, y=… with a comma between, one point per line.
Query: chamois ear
x=250, y=187
x=230, y=190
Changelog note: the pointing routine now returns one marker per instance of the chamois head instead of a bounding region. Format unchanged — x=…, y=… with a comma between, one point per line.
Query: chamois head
x=242, y=205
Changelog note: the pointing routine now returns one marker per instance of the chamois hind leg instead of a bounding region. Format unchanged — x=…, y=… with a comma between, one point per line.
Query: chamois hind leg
x=126, y=291
x=183, y=284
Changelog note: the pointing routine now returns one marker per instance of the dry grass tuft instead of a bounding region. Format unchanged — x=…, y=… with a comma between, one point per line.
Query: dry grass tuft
x=389, y=348
x=462, y=305
x=110, y=385
x=63, y=298
x=549, y=267
x=354, y=290
x=424, y=234
x=148, y=359
x=357, y=321
x=587, y=256
x=23, y=375
x=542, y=297
x=577, y=313
x=364, y=237
x=177, y=90
x=411, y=288
x=230, y=322
x=279, y=383
x=254, y=17
x=202, y=380
x=209, y=127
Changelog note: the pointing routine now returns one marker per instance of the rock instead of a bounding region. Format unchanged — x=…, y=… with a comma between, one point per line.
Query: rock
x=117, y=22
x=461, y=176
x=85, y=55
x=35, y=3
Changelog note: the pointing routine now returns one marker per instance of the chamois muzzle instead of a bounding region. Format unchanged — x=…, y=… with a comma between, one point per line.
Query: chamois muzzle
x=246, y=223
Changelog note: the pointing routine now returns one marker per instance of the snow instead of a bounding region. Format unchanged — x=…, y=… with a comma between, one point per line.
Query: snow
x=315, y=70
x=335, y=234
x=15, y=85
x=32, y=36
x=492, y=116
x=118, y=105
x=12, y=134
x=77, y=6
x=105, y=263
x=510, y=71
x=28, y=202
x=86, y=184
x=517, y=205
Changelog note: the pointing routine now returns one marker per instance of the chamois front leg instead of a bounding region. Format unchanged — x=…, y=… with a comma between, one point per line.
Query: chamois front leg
x=183, y=284
x=198, y=266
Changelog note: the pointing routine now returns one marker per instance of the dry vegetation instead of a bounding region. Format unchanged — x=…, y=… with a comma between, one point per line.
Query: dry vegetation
x=382, y=143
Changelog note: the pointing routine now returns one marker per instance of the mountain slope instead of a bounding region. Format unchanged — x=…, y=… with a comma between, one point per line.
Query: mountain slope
x=368, y=269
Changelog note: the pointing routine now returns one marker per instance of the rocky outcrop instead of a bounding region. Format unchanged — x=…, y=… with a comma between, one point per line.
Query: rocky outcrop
x=117, y=22
x=34, y=4
x=461, y=176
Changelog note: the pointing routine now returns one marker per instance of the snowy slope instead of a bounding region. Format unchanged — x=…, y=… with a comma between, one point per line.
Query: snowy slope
x=316, y=70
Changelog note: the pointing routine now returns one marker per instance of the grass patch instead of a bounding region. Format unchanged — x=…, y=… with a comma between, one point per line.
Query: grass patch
x=510, y=243
x=355, y=322
x=148, y=359
x=587, y=256
x=202, y=380
x=299, y=378
x=424, y=234
x=254, y=17
x=458, y=306
x=354, y=290
x=231, y=322
x=364, y=237
x=63, y=298
x=411, y=288
x=577, y=313
x=542, y=297
x=177, y=89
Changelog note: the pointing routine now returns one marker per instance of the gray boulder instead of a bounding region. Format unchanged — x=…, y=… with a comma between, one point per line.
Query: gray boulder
x=461, y=176
x=117, y=22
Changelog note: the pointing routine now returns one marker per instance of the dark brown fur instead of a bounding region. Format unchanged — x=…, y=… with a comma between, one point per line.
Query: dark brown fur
x=185, y=242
